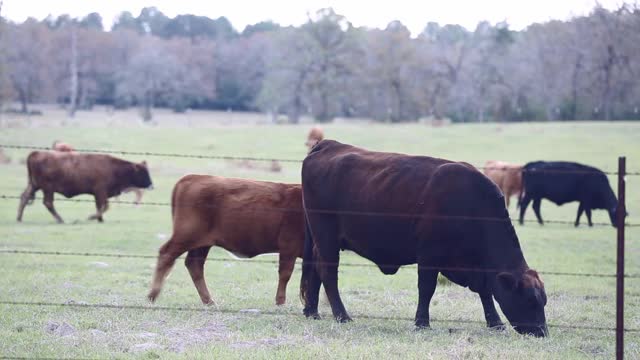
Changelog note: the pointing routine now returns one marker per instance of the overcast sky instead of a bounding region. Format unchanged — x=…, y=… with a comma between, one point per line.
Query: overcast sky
x=415, y=14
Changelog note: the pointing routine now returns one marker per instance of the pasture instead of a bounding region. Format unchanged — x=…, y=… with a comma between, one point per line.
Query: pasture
x=245, y=323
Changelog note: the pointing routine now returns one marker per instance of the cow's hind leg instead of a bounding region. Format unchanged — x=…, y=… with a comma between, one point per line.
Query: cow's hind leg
x=427, y=281
x=48, y=203
x=507, y=196
x=536, y=209
x=26, y=198
x=195, y=264
x=166, y=258
x=285, y=269
x=490, y=313
x=587, y=211
x=326, y=240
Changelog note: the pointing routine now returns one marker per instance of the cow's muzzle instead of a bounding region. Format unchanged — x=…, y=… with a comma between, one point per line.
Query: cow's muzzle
x=537, y=331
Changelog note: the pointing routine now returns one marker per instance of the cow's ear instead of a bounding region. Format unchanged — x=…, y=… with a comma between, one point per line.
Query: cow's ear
x=507, y=281
x=144, y=163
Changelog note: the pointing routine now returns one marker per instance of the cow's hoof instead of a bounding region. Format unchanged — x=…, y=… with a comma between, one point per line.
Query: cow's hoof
x=60, y=221
x=311, y=314
x=153, y=295
x=343, y=319
x=19, y=220
x=498, y=327
x=422, y=324
x=208, y=302
x=280, y=300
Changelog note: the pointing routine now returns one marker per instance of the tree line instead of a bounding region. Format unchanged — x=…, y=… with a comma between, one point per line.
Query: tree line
x=583, y=68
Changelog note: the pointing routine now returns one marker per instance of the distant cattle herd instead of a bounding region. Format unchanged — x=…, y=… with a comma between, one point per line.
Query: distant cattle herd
x=393, y=209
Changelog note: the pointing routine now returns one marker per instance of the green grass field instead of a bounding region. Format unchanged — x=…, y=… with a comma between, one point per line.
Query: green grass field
x=206, y=332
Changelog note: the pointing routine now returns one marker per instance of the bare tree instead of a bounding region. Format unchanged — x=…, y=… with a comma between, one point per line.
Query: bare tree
x=26, y=60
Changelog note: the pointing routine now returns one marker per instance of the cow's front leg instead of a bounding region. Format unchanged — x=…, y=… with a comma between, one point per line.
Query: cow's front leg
x=102, y=205
x=427, y=280
x=580, y=210
x=587, y=211
x=48, y=203
x=490, y=313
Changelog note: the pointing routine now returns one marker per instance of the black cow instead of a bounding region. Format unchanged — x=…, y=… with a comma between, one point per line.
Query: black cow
x=395, y=210
x=562, y=182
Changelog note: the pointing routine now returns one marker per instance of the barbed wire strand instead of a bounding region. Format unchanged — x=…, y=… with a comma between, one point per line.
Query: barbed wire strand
x=262, y=159
x=336, y=212
x=280, y=313
x=276, y=262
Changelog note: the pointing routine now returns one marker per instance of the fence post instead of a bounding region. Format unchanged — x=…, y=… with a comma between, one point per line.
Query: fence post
x=621, y=214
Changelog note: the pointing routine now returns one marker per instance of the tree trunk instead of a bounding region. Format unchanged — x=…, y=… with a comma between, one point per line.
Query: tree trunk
x=606, y=93
x=146, y=107
x=73, y=67
x=24, y=100
x=573, y=114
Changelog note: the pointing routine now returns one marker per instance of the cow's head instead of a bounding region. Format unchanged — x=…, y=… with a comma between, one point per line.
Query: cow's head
x=613, y=216
x=141, y=177
x=522, y=300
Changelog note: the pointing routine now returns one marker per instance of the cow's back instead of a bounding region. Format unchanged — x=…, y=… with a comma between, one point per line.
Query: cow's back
x=71, y=173
x=561, y=182
x=243, y=216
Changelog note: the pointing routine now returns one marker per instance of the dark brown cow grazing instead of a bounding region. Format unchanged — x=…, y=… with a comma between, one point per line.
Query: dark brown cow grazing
x=396, y=210
x=315, y=136
x=244, y=217
x=507, y=176
x=71, y=174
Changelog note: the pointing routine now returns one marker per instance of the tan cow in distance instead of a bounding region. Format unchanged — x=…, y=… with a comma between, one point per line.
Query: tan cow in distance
x=245, y=217
x=507, y=176
x=316, y=134
x=62, y=146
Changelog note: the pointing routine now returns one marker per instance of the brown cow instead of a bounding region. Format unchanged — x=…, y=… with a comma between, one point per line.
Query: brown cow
x=244, y=217
x=507, y=176
x=71, y=174
x=315, y=136
x=62, y=146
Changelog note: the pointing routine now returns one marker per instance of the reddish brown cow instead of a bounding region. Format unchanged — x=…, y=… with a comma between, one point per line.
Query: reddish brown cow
x=315, y=136
x=244, y=217
x=507, y=176
x=71, y=174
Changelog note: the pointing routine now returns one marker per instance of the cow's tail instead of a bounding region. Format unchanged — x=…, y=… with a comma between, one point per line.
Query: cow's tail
x=307, y=261
x=174, y=194
x=30, y=178
x=523, y=177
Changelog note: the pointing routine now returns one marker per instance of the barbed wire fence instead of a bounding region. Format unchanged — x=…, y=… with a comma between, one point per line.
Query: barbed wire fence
x=253, y=158
x=620, y=276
